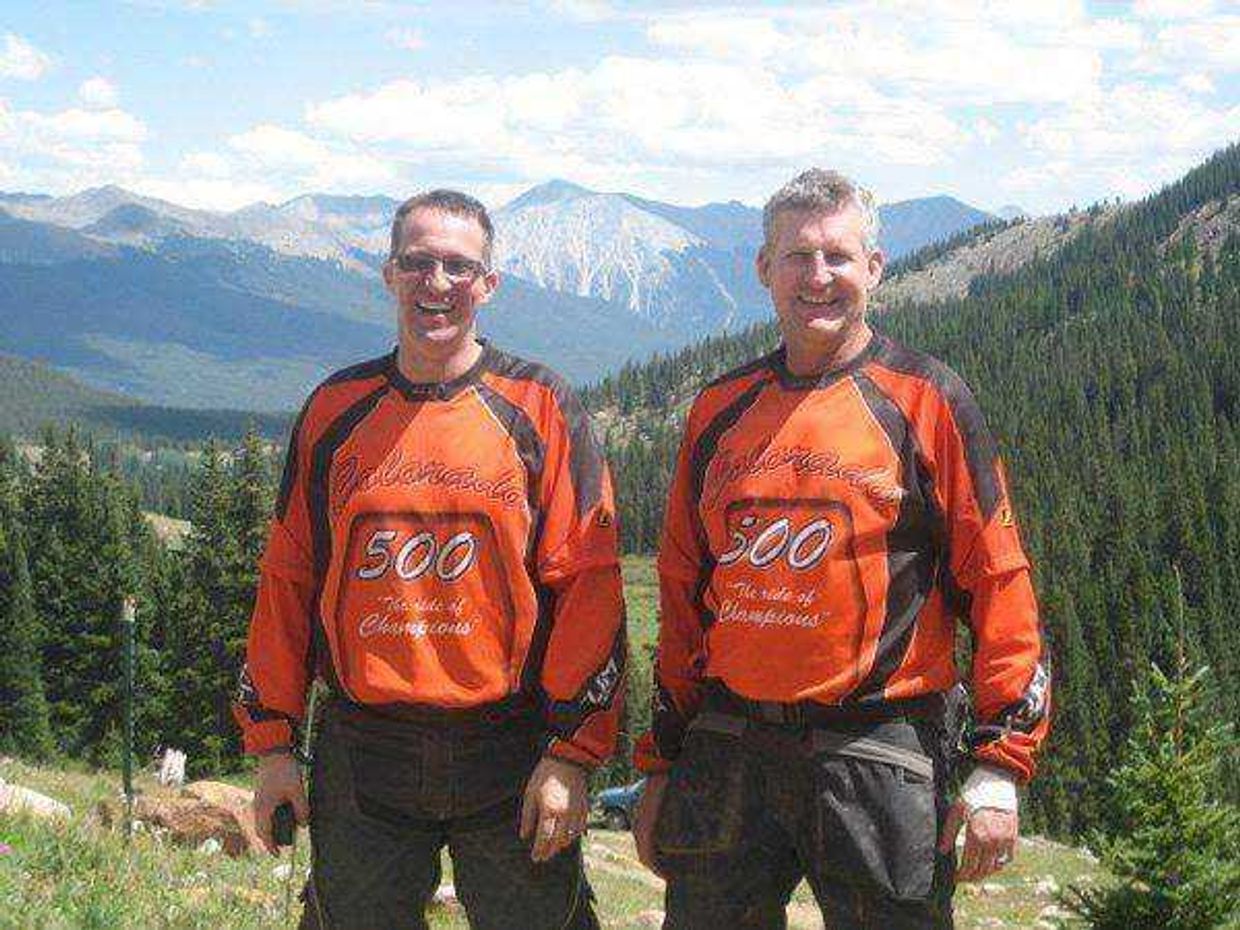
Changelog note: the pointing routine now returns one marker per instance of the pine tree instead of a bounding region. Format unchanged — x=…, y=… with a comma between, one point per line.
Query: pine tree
x=1171, y=841
x=25, y=728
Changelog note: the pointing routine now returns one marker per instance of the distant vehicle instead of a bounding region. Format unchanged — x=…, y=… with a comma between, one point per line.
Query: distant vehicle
x=615, y=805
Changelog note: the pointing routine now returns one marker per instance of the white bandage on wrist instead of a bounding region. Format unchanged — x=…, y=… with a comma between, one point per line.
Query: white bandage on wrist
x=989, y=787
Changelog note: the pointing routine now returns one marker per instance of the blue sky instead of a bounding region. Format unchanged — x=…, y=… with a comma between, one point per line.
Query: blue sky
x=1044, y=104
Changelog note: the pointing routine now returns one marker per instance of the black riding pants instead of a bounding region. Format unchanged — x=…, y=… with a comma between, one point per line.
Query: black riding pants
x=387, y=796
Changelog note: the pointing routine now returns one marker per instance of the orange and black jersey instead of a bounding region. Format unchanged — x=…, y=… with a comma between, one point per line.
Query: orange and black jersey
x=445, y=546
x=820, y=539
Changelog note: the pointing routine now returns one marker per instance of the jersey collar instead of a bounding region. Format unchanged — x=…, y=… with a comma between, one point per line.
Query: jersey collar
x=779, y=365
x=439, y=390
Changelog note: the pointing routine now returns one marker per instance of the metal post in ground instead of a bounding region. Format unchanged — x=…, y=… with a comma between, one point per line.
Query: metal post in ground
x=127, y=649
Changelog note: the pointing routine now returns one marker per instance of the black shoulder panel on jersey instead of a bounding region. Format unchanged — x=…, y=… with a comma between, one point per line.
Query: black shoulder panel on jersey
x=289, y=476
x=371, y=368
x=321, y=455
x=981, y=453
x=758, y=364
x=530, y=445
x=708, y=439
x=362, y=371
x=913, y=543
x=585, y=462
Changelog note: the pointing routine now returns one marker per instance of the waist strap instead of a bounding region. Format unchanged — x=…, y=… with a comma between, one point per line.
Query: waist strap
x=719, y=697
x=512, y=708
x=829, y=742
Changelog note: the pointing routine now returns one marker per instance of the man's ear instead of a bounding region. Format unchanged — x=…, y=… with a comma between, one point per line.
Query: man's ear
x=389, y=276
x=763, y=264
x=490, y=281
x=878, y=261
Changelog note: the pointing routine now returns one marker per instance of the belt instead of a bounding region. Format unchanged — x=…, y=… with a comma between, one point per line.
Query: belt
x=718, y=697
x=514, y=707
x=829, y=742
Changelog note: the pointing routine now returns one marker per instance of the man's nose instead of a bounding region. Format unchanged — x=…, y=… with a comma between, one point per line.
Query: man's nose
x=819, y=272
x=438, y=279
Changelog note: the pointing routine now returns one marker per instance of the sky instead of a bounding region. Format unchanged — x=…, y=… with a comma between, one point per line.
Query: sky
x=1045, y=104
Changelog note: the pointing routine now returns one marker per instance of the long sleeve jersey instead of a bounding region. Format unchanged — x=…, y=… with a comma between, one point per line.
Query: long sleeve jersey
x=822, y=536
x=444, y=545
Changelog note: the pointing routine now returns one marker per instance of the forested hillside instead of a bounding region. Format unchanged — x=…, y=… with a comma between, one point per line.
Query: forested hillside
x=35, y=396
x=1110, y=374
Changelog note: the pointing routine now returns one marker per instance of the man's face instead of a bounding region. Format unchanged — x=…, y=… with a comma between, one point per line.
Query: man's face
x=437, y=307
x=819, y=273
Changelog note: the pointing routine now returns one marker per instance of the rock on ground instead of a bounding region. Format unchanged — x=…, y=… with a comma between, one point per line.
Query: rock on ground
x=14, y=798
x=204, y=810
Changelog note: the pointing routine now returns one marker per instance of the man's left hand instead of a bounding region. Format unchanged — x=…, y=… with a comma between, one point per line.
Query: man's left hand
x=554, y=808
x=989, y=840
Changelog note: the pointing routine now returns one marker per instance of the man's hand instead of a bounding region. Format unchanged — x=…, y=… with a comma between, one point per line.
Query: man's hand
x=554, y=808
x=279, y=780
x=644, y=819
x=989, y=840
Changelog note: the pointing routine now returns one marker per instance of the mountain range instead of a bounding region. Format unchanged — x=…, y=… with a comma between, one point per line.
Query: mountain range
x=248, y=309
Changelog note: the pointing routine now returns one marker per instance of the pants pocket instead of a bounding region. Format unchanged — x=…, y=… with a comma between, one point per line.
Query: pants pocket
x=703, y=804
x=387, y=783
x=492, y=766
x=877, y=823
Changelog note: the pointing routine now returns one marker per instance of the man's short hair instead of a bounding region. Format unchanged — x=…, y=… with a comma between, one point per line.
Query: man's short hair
x=445, y=201
x=826, y=191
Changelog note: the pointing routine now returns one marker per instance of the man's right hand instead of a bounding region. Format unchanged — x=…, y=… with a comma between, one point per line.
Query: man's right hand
x=279, y=780
x=644, y=819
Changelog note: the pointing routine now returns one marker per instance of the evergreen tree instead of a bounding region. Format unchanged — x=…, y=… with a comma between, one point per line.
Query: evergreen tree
x=24, y=725
x=1173, y=845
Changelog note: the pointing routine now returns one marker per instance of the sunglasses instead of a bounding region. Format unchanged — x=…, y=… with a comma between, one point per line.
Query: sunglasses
x=456, y=270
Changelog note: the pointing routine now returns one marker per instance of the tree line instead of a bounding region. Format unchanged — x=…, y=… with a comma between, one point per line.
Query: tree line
x=73, y=544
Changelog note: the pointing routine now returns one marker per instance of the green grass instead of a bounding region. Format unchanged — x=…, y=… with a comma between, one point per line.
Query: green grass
x=83, y=874
x=641, y=597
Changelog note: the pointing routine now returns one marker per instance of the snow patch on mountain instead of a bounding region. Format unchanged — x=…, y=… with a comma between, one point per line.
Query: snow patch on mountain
x=569, y=239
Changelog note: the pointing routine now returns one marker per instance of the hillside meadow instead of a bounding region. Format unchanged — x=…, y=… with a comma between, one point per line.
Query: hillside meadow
x=82, y=874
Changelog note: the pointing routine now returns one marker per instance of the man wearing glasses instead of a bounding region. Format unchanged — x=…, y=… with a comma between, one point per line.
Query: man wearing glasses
x=836, y=507
x=444, y=558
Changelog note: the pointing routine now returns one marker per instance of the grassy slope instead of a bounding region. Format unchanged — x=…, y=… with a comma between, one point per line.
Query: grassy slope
x=81, y=874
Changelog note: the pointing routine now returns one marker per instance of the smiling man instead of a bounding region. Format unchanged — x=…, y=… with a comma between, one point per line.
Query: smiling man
x=837, y=506
x=443, y=557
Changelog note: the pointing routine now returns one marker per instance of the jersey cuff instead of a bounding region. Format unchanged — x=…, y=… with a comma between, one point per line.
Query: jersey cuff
x=266, y=736
x=568, y=752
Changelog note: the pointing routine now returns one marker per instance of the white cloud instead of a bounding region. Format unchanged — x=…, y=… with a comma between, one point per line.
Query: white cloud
x=205, y=164
x=409, y=39
x=293, y=161
x=206, y=192
x=630, y=113
x=738, y=37
x=21, y=60
x=1172, y=9
x=986, y=130
x=82, y=126
x=71, y=146
x=952, y=52
x=1197, y=83
x=98, y=93
x=278, y=147
x=587, y=11
x=1132, y=123
x=258, y=27
x=1212, y=42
